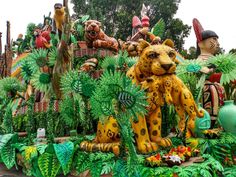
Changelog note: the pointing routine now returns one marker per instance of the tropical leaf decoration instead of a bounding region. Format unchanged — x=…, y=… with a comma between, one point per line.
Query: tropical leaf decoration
x=117, y=88
x=230, y=171
x=64, y=153
x=190, y=66
x=7, y=151
x=70, y=83
x=159, y=28
x=131, y=61
x=52, y=56
x=42, y=81
x=8, y=155
x=10, y=85
x=48, y=164
x=225, y=64
x=74, y=83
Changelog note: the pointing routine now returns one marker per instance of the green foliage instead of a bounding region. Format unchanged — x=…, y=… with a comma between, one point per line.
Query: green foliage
x=74, y=83
x=122, y=62
x=159, y=28
x=48, y=165
x=188, y=72
x=52, y=56
x=31, y=122
x=225, y=64
x=42, y=81
x=78, y=27
x=7, y=124
x=220, y=149
x=64, y=153
x=39, y=56
x=26, y=71
x=117, y=91
x=230, y=171
x=7, y=151
x=10, y=85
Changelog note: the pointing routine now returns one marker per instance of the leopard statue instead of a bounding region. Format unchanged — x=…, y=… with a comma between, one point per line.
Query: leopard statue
x=155, y=72
x=95, y=36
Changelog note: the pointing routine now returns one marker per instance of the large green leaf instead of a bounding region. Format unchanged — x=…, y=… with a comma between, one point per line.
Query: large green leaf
x=159, y=28
x=48, y=165
x=8, y=155
x=64, y=154
x=4, y=139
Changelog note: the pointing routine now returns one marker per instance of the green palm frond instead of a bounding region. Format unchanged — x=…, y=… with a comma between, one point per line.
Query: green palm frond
x=42, y=81
x=88, y=84
x=52, y=56
x=159, y=28
x=225, y=64
x=10, y=84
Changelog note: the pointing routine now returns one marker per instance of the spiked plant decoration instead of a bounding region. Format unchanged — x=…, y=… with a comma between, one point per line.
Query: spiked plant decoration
x=26, y=71
x=7, y=123
x=42, y=81
x=52, y=56
x=225, y=64
x=31, y=123
x=40, y=57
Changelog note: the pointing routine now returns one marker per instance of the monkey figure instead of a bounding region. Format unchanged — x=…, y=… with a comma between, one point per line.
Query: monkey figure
x=58, y=18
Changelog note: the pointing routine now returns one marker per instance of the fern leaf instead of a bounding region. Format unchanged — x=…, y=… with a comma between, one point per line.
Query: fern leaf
x=48, y=165
x=64, y=153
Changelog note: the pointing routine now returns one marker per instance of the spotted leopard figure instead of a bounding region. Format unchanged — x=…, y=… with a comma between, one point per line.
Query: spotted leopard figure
x=154, y=60
x=173, y=91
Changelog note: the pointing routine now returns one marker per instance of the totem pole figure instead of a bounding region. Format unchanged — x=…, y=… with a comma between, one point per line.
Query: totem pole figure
x=213, y=92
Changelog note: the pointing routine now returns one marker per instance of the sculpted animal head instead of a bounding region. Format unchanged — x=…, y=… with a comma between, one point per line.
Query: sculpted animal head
x=92, y=29
x=156, y=59
x=59, y=9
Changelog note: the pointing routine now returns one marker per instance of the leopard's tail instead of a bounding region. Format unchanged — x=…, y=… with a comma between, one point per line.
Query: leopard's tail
x=103, y=147
x=199, y=112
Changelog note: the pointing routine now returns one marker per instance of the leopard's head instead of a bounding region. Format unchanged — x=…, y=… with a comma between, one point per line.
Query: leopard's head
x=156, y=59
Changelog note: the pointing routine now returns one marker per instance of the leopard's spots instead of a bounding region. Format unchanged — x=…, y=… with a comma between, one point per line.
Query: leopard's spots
x=142, y=131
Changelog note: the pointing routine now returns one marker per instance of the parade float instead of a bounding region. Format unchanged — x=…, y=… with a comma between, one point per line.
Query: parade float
x=74, y=100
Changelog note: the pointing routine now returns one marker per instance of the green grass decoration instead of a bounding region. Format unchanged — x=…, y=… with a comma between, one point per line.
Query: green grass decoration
x=48, y=165
x=64, y=153
x=109, y=63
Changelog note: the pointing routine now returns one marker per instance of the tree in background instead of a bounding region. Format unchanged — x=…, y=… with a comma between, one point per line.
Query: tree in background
x=232, y=51
x=116, y=16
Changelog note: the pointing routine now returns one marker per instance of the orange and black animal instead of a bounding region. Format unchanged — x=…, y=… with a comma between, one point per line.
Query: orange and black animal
x=58, y=18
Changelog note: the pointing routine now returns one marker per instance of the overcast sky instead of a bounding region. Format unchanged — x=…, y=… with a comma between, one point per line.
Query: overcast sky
x=215, y=15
